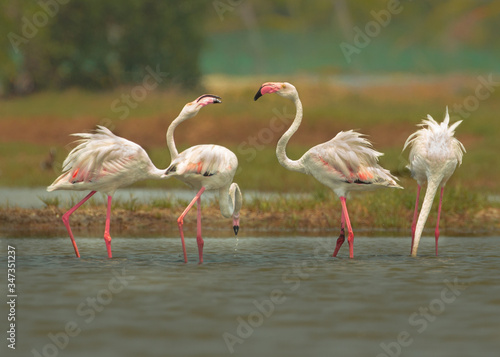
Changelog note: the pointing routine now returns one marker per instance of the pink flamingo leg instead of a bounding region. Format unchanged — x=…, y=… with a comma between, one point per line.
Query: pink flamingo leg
x=341, y=237
x=436, y=232
x=350, y=237
x=65, y=219
x=199, y=240
x=414, y=222
x=107, y=237
x=180, y=220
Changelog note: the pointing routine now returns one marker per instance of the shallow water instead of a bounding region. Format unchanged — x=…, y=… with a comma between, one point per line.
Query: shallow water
x=266, y=296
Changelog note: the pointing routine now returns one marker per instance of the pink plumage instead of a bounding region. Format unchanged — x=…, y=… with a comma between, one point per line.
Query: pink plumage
x=205, y=167
x=105, y=162
x=102, y=162
x=346, y=163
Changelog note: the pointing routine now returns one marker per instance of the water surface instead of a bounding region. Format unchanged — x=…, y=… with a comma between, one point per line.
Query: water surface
x=266, y=296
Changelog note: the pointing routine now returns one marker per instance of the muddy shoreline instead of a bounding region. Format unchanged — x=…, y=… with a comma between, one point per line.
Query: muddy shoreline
x=46, y=222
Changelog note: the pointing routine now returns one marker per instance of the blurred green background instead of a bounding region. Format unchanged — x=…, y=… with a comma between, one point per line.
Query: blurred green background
x=375, y=66
x=103, y=44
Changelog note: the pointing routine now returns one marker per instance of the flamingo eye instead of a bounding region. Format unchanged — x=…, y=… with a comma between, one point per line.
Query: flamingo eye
x=283, y=86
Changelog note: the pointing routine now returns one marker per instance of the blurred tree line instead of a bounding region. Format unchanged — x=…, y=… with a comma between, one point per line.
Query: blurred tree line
x=105, y=43
x=475, y=22
x=98, y=44
x=420, y=35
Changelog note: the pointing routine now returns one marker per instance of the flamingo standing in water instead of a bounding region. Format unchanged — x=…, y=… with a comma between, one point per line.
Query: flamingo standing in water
x=345, y=163
x=434, y=155
x=105, y=162
x=102, y=162
x=204, y=167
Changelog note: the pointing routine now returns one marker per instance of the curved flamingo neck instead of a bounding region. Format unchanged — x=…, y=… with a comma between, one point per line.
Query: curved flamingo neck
x=230, y=200
x=283, y=159
x=170, y=133
x=433, y=184
x=155, y=173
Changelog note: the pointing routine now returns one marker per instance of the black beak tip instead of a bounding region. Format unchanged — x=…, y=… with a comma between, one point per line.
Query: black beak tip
x=215, y=98
x=236, y=230
x=258, y=94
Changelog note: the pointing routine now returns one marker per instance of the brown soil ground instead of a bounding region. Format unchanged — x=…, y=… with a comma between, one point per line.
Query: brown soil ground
x=46, y=222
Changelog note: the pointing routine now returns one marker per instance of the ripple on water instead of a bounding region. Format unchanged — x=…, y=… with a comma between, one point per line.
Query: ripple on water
x=292, y=295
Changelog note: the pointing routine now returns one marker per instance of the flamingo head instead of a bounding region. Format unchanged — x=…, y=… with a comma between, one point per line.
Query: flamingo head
x=192, y=108
x=284, y=89
x=236, y=223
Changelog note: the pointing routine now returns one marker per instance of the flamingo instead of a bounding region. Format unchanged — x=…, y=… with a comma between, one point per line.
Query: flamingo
x=345, y=163
x=105, y=162
x=204, y=168
x=434, y=155
x=102, y=162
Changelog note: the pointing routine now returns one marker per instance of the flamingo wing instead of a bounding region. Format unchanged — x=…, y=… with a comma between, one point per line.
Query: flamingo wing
x=206, y=160
x=350, y=158
x=101, y=155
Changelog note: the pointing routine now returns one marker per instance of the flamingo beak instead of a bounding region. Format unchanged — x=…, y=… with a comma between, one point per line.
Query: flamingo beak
x=266, y=88
x=205, y=99
x=236, y=230
x=258, y=94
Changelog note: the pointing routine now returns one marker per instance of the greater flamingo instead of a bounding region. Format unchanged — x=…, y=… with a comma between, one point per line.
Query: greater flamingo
x=434, y=155
x=345, y=163
x=105, y=162
x=102, y=162
x=204, y=167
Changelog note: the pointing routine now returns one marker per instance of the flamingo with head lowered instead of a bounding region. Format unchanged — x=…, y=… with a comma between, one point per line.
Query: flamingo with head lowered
x=204, y=167
x=345, y=163
x=105, y=162
x=434, y=155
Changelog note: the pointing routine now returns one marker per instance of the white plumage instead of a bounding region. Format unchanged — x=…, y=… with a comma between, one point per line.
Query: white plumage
x=346, y=163
x=211, y=166
x=102, y=162
x=204, y=167
x=434, y=155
